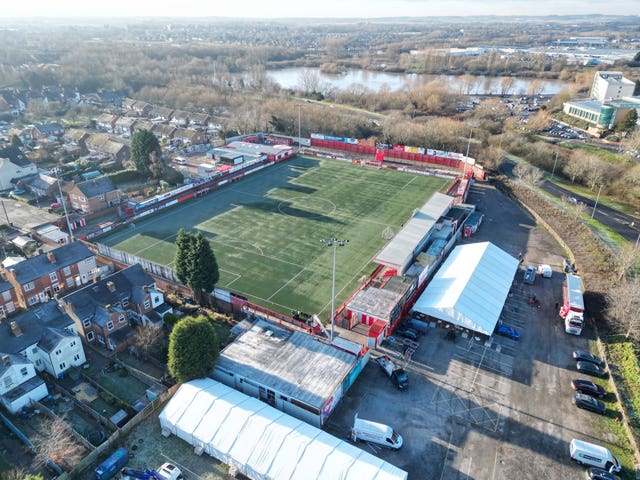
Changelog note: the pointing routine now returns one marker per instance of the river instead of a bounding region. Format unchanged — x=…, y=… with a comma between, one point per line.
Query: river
x=293, y=78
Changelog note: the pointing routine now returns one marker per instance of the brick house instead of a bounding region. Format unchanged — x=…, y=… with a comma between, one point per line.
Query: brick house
x=8, y=299
x=38, y=279
x=94, y=195
x=106, y=122
x=107, y=311
x=189, y=136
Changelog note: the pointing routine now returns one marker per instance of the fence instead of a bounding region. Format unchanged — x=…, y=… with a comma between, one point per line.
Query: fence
x=130, y=259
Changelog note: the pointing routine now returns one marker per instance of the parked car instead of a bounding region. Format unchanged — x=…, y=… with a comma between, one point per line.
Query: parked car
x=409, y=333
x=588, y=388
x=508, y=331
x=595, y=473
x=590, y=369
x=587, y=402
x=583, y=356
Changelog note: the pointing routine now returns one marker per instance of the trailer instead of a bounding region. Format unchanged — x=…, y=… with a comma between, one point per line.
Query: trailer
x=572, y=311
x=397, y=375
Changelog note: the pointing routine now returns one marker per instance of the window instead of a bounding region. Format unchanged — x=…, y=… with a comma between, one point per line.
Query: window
x=62, y=366
x=121, y=318
x=109, y=326
x=10, y=307
x=33, y=300
x=125, y=303
x=82, y=199
x=38, y=362
x=101, y=196
x=70, y=282
x=53, y=277
x=76, y=357
x=67, y=271
x=8, y=383
x=24, y=372
x=6, y=296
x=1, y=310
x=74, y=196
x=90, y=336
x=147, y=304
x=34, y=350
x=58, y=352
x=72, y=344
x=56, y=288
x=29, y=286
x=86, y=323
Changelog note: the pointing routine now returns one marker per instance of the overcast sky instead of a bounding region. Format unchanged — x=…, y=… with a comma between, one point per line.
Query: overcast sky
x=310, y=8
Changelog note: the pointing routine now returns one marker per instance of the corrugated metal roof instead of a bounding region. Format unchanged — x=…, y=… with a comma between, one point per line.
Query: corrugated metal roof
x=262, y=442
x=398, y=252
x=470, y=287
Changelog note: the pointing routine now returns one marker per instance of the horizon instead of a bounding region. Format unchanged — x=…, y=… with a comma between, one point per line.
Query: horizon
x=295, y=10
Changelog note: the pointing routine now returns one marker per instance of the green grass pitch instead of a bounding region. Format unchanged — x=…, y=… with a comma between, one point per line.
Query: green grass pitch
x=266, y=229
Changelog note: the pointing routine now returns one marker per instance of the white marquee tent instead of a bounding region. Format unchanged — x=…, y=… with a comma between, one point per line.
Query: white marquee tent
x=263, y=442
x=470, y=288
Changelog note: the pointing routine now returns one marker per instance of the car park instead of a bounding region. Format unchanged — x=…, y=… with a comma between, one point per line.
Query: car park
x=583, y=356
x=588, y=388
x=409, y=333
x=595, y=473
x=590, y=369
x=587, y=402
x=507, y=331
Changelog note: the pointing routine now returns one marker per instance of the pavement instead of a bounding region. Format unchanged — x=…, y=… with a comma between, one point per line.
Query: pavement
x=499, y=409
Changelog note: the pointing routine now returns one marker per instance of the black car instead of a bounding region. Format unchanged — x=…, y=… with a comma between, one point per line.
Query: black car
x=590, y=369
x=409, y=333
x=583, y=356
x=594, y=473
x=588, y=388
x=587, y=402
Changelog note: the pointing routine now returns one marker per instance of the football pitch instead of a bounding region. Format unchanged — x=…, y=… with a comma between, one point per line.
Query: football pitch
x=266, y=229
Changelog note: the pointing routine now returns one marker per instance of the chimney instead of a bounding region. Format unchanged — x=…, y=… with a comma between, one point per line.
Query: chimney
x=51, y=257
x=111, y=286
x=15, y=328
x=107, y=307
x=6, y=360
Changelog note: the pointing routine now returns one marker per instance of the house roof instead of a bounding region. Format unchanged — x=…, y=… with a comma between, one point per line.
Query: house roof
x=112, y=147
x=4, y=285
x=21, y=390
x=199, y=117
x=96, y=186
x=160, y=112
x=164, y=129
x=49, y=128
x=180, y=115
x=106, y=118
x=470, y=288
x=40, y=181
x=15, y=155
x=45, y=324
x=14, y=360
x=184, y=133
x=40, y=265
x=76, y=134
x=90, y=301
x=287, y=362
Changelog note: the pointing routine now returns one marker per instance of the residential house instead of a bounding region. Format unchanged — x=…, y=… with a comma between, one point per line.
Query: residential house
x=106, y=122
x=38, y=279
x=163, y=132
x=180, y=119
x=188, y=136
x=106, y=311
x=128, y=103
x=14, y=165
x=95, y=141
x=124, y=126
x=199, y=119
x=45, y=335
x=41, y=185
x=160, y=114
x=19, y=383
x=111, y=99
x=94, y=195
x=116, y=151
x=76, y=137
x=8, y=297
x=142, y=109
x=142, y=125
x=48, y=130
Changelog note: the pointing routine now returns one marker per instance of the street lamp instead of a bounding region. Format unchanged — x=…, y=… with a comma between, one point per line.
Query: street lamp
x=335, y=243
x=464, y=173
x=64, y=206
x=596, y=204
x=299, y=105
x=554, y=165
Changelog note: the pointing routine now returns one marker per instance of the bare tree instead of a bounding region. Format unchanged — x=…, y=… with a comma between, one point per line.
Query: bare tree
x=527, y=173
x=145, y=337
x=56, y=443
x=573, y=168
x=627, y=260
x=506, y=85
x=623, y=303
x=596, y=170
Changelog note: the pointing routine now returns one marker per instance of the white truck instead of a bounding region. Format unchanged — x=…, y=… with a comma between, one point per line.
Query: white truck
x=397, y=375
x=374, y=432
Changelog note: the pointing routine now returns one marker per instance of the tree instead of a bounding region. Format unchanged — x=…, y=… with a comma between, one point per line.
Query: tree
x=195, y=263
x=193, y=349
x=55, y=442
x=146, y=153
x=528, y=173
x=623, y=303
x=627, y=260
x=629, y=121
x=20, y=474
x=145, y=337
x=15, y=141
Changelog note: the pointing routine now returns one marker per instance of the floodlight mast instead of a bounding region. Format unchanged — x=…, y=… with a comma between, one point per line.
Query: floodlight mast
x=335, y=243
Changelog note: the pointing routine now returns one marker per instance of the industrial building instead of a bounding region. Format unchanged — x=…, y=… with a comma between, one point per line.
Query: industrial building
x=260, y=441
x=610, y=100
x=290, y=370
x=470, y=288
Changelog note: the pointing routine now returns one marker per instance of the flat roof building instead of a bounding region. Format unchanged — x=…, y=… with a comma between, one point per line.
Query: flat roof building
x=292, y=371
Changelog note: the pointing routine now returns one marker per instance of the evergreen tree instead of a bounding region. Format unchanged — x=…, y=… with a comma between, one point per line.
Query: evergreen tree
x=193, y=349
x=629, y=121
x=15, y=141
x=181, y=263
x=195, y=263
x=146, y=154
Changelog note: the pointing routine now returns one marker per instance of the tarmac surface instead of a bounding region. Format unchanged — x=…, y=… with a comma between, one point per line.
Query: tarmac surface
x=499, y=409
x=23, y=215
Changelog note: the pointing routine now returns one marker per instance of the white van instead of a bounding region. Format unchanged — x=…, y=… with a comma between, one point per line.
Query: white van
x=378, y=433
x=587, y=453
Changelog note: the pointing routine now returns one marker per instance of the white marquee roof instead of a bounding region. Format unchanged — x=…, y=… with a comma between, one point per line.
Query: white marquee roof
x=470, y=287
x=263, y=442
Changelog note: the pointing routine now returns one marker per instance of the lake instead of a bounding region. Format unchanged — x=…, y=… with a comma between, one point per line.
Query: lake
x=292, y=78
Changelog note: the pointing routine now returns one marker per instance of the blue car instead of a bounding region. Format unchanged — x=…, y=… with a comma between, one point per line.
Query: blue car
x=508, y=331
